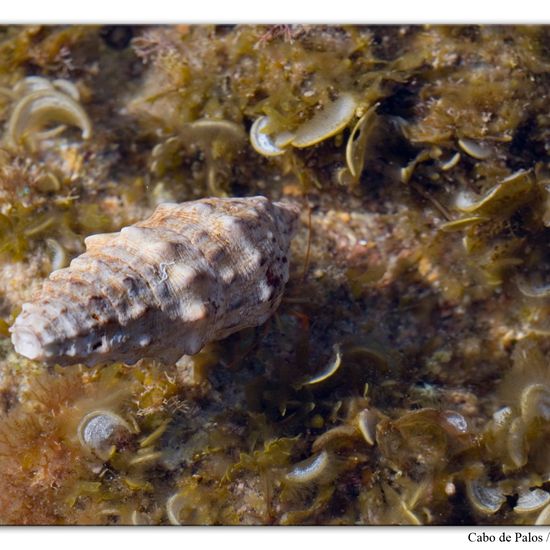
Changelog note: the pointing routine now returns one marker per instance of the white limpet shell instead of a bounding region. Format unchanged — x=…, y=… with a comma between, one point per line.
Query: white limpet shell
x=99, y=430
x=327, y=122
x=189, y=274
x=263, y=143
x=484, y=498
x=531, y=501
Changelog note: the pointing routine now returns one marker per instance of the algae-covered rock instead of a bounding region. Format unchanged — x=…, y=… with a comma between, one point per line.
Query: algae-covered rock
x=403, y=379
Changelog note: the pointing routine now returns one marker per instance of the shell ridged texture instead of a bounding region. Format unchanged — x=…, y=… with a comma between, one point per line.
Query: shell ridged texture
x=189, y=274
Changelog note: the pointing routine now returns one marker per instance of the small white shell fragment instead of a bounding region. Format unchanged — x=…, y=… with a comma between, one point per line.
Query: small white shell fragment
x=531, y=501
x=533, y=288
x=456, y=421
x=329, y=370
x=189, y=274
x=479, y=151
x=367, y=421
x=99, y=430
x=484, y=499
x=451, y=163
x=502, y=417
x=174, y=506
x=326, y=123
x=262, y=142
x=309, y=470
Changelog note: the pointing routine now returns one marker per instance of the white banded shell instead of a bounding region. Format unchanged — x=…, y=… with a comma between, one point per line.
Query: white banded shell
x=262, y=142
x=483, y=497
x=531, y=501
x=189, y=274
x=99, y=432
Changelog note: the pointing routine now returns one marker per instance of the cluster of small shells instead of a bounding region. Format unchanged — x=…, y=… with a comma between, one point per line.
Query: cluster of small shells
x=325, y=123
x=517, y=434
x=164, y=287
x=38, y=103
x=336, y=116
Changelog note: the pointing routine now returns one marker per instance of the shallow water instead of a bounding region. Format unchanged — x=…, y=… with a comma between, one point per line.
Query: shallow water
x=404, y=377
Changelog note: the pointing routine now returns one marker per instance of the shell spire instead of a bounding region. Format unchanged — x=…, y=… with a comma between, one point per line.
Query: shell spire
x=189, y=274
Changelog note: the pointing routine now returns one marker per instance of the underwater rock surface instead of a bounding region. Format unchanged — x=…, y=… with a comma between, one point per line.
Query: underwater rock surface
x=404, y=377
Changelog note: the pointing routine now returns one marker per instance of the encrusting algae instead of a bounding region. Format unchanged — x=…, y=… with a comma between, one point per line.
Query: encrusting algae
x=403, y=377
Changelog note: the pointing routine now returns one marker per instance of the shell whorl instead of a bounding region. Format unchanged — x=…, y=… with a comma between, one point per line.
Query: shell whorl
x=189, y=274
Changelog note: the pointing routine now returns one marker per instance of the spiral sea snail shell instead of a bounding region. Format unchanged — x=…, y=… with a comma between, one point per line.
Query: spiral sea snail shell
x=189, y=274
